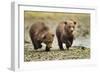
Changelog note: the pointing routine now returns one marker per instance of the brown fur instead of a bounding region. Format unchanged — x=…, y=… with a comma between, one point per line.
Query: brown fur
x=39, y=33
x=64, y=33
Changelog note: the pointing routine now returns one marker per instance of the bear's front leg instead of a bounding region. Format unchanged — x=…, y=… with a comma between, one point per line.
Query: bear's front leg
x=68, y=44
x=60, y=45
x=36, y=45
x=47, y=49
x=39, y=44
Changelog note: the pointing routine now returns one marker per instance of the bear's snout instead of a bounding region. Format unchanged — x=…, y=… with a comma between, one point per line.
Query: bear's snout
x=71, y=31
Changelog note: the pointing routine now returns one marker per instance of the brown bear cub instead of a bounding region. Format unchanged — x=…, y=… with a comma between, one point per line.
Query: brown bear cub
x=39, y=33
x=64, y=33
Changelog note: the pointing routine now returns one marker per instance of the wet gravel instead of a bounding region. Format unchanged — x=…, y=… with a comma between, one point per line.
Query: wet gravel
x=56, y=54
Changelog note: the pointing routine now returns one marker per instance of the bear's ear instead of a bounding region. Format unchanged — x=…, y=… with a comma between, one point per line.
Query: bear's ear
x=74, y=22
x=65, y=22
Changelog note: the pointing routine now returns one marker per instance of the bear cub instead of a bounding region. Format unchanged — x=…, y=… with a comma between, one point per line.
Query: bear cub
x=64, y=33
x=40, y=33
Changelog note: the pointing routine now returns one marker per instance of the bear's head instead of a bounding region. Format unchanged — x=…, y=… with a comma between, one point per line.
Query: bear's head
x=69, y=26
x=48, y=39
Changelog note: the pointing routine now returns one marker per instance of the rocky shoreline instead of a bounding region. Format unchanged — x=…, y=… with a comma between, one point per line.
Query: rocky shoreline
x=41, y=55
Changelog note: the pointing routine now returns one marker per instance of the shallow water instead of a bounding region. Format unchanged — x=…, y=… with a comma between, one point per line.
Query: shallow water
x=82, y=41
